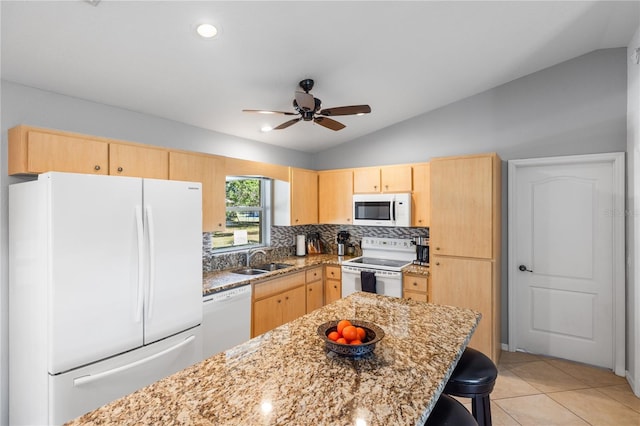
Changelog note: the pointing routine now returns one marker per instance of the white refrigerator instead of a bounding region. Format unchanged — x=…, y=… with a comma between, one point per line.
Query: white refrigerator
x=105, y=290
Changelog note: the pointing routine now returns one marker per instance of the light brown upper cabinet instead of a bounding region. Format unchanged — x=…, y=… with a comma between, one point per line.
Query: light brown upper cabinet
x=421, y=196
x=463, y=206
x=296, y=201
x=209, y=170
x=335, y=197
x=382, y=179
x=33, y=151
x=138, y=161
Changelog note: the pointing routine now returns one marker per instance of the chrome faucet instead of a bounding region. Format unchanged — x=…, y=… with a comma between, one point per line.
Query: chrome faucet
x=251, y=253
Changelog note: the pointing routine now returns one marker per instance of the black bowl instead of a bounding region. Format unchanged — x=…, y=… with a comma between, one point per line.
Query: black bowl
x=373, y=336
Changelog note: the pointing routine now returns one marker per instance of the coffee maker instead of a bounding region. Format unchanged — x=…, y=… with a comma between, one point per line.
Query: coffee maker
x=343, y=237
x=422, y=250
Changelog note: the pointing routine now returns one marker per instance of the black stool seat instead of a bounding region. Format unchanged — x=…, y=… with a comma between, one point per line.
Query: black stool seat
x=449, y=412
x=474, y=377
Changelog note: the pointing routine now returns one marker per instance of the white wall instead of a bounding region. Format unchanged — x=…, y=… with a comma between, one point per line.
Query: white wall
x=633, y=216
x=576, y=107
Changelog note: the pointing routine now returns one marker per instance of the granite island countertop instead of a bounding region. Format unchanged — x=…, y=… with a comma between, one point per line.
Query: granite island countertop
x=287, y=377
x=216, y=281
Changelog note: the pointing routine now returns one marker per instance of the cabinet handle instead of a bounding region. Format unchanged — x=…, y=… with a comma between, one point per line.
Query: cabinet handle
x=219, y=225
x=310, y=289
x=286, y=298
x=437, y=263
x=335, y=286
x=279, y=300
x=415, y=283
x=437, y=248
x=386, y=187
x=419, y=220
x=97, y=167
x=348, y=220
x=120, y=169
x=296, y=220
x=375, y=186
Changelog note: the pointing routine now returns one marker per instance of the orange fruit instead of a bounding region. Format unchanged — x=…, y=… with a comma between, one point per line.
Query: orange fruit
x=350, y=333
x=361, y=333
x=342, y=324
x=333, y=336
x=342, y=341
x=355, y=342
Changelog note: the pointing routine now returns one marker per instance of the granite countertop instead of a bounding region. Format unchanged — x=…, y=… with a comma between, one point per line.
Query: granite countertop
x=287, y=377
x=213, y=282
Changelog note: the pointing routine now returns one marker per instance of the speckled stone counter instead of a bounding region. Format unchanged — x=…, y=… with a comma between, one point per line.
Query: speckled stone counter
x=287, y=377
x=416, y=270
x=213, y=282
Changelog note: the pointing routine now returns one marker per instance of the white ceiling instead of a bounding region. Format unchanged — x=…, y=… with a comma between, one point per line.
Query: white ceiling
x=402, y=58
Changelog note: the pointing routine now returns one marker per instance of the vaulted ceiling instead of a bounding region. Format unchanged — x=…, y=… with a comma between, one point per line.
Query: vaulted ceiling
x=401, y=58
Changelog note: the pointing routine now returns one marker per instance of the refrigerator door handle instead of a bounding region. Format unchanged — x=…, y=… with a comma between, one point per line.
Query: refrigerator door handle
x=84, y=380
x=152, y=260
x=140, y=238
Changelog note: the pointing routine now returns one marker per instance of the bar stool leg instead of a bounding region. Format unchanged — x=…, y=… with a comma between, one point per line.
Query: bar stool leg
x=481, y=410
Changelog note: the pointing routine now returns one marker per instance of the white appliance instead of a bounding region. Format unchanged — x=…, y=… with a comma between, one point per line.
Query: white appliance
x=385, y=257
x=382, y=209
x=105, y=290
x=226, y=319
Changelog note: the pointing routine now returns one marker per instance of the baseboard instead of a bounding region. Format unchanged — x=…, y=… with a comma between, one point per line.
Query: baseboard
x=635, y=387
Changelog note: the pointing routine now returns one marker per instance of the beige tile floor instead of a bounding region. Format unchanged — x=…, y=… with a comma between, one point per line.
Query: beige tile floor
x=536, y=390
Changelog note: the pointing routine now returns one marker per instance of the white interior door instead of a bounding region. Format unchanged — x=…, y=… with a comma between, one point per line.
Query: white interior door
x=566, y=247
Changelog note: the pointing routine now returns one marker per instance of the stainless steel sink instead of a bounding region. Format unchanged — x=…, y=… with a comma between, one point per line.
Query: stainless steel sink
x=249, y=271
x=273, y=266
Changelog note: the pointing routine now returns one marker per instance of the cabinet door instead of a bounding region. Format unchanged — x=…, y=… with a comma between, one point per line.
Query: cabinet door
x=47, y=152
x=462, y=207
x=294, y=305
x=332, y=290
x=267, y=314
x=138, y=161
x=421, y=211
x=467, y=283
x=304, y=197
x=315, y=298
x=335, y=197
x=209, y=170
x=366, y=180
x=396, y=179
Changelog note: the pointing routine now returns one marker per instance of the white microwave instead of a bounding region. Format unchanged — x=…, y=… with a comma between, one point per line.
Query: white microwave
x=382, y=209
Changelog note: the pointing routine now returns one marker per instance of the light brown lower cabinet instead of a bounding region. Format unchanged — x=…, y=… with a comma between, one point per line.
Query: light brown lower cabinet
x=469, y=283
x=415, y=287
x=277, y=301
x=332, y=283
x=314, y=284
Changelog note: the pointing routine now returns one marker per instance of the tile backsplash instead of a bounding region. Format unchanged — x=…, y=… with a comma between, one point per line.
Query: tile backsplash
x=283, y=242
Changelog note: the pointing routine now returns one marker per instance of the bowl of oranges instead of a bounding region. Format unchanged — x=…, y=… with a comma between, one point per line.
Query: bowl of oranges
x=350, y=337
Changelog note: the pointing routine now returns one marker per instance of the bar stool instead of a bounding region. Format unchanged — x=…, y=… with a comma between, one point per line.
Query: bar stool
x=474, y=377
x=449, y=412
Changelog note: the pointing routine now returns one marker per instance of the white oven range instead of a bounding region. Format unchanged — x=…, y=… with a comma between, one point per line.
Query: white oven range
x=383, y=256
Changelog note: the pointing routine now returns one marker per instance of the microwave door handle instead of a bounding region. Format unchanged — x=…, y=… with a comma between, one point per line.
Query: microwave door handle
x=393, y=210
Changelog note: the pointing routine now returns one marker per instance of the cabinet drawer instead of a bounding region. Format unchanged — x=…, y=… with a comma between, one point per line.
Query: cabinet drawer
x=333, y=272
x=314, y=274
x=414, y=283
x=414, y=295
x=277, y=285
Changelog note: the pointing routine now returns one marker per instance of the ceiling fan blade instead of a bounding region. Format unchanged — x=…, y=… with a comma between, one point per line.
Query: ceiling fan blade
x=306, y=101
x=264, y=111
x=346, y=110
x=329, y=123
x=287, y=123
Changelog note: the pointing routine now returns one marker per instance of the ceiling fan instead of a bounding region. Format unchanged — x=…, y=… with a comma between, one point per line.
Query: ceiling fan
x=308, y=108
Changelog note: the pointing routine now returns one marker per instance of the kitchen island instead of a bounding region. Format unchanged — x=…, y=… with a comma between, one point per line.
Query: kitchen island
x=287, y=377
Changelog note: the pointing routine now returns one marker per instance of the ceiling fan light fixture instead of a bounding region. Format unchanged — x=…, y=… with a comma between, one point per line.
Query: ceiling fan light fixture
x=266, y=129
x=206, y=30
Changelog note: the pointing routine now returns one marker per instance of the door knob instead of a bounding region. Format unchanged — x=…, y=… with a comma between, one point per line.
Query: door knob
x=524, y=268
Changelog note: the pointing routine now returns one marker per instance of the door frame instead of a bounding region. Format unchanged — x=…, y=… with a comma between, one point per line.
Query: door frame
x=618, y=161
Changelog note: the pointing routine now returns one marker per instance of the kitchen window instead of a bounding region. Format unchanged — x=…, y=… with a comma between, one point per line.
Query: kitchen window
x=247, y=214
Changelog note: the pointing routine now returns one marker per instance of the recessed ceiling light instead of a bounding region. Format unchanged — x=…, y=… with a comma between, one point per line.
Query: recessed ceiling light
x=207, y=30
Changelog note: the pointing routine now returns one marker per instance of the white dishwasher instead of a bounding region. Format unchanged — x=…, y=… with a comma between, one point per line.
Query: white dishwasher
x=226, y=319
